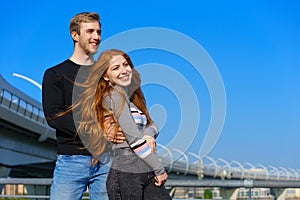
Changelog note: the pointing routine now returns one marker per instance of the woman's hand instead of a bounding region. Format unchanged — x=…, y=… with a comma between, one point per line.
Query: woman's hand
x=152, y=143
x=161, y=179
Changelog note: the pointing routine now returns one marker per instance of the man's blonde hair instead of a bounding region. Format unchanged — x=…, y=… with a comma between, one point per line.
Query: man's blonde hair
x=83, y=17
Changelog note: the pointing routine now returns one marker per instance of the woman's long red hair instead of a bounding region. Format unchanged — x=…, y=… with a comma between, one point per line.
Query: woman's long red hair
x=90, y=109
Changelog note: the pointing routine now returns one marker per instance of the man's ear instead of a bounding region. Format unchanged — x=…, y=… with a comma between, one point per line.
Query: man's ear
x=74, y=36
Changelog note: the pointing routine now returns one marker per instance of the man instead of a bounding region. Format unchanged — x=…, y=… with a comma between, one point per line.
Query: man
x=75, y=168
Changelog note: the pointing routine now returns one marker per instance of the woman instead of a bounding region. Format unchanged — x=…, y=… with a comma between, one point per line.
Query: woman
x=113, y=91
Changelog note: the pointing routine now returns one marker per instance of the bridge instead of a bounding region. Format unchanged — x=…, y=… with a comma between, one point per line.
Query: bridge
x=28, y=150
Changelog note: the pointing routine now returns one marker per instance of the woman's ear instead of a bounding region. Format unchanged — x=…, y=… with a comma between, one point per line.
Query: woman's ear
x=105, y=78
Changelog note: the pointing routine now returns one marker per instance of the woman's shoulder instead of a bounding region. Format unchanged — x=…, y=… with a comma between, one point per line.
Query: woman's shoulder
x=113, y=93
x=116, y=94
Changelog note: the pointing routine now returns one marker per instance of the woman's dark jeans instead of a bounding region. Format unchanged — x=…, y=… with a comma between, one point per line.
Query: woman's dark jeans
x=124, y=184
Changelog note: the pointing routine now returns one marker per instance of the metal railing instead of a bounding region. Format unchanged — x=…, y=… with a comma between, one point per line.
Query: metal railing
x=15, y=105
x=171, y=183
x=229, y=170
x=22, y=107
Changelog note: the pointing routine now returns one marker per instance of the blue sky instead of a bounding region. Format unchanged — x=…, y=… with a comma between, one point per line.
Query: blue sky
x=255, y=46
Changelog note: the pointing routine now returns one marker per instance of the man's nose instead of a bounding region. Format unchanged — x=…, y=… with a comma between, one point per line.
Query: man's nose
x=96, y=35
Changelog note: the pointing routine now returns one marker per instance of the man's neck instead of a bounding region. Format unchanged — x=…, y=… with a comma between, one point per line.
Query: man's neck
x=82, y=59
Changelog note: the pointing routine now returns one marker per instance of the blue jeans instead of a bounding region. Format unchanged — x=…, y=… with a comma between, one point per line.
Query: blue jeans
x=73, y=174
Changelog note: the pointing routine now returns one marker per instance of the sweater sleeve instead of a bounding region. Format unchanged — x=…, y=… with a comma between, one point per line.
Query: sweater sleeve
x=153, y=131
x=53, y=103
x=134, y=136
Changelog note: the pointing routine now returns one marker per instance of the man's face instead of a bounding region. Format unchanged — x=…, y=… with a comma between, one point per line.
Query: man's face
x=90, y=37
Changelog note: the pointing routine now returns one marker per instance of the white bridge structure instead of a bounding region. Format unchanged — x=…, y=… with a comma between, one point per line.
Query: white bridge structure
x=202, y=167
x=28, y=150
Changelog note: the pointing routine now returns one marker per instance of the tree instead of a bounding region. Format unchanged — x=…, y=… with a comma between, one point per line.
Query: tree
x=207, y=194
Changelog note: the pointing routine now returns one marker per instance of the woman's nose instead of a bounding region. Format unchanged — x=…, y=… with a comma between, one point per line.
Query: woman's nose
x=122, y=69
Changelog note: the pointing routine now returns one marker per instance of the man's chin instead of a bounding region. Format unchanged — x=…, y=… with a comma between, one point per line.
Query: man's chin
x=94, y=50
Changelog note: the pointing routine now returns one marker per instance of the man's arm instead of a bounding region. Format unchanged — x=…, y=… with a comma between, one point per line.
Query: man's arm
x=54, y=103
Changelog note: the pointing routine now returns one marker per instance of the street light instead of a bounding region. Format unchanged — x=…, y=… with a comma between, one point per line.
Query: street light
x=28, y=79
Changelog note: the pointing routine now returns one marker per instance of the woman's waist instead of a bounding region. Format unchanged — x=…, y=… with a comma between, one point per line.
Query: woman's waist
x=123, y=151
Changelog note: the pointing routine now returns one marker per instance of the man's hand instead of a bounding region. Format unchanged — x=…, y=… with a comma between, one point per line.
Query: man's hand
x=113, y=132
x=161, y=179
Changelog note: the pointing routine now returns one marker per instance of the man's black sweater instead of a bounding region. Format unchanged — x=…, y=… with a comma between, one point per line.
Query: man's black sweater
x=58, y=83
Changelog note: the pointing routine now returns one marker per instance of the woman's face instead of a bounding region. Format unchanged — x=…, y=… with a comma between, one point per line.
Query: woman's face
x=119, y=71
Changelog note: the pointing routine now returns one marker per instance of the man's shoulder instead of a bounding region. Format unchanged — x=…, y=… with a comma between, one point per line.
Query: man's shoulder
x=64, y=67
x=61, y=66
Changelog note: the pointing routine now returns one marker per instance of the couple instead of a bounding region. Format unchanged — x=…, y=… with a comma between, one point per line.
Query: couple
x=111, y=107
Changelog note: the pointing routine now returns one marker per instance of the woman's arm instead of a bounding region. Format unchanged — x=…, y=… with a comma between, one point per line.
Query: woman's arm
x=134, y=136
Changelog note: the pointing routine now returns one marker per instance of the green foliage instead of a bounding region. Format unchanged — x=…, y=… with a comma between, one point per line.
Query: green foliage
x=207, y=194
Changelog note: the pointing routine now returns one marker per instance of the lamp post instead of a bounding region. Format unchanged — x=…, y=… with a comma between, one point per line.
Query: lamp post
x=29, y=80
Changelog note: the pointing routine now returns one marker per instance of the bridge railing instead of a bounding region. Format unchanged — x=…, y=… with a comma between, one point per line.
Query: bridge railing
x=17, y=107
x=21, y=106
x=224, y=170
x=38, y=188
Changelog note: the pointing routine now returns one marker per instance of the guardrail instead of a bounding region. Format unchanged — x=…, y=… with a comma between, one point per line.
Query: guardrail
x=22, y=107
x=247, y=183
x=229, y=171
x=31, y=182
x=17, y=107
